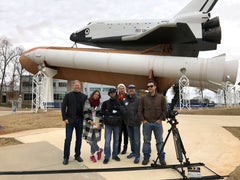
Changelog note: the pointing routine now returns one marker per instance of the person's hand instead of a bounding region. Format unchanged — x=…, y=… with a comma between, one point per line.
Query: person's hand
x=66, y=121
x=99, y=127
x=158, y=121
x=92, y=123
x=144, y=121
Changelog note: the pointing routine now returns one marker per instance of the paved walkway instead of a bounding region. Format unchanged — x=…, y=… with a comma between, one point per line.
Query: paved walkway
x=203, y=137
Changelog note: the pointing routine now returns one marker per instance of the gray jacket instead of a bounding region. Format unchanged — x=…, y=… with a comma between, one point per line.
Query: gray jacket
x=131, y=107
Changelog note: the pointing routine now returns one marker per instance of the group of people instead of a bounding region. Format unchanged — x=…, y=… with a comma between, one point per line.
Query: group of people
x=123, y=113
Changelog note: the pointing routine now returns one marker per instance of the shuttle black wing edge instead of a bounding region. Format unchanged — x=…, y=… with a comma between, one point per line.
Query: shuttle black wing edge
x=170, y=33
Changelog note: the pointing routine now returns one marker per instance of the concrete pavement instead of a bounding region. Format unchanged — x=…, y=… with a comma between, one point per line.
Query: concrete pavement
x=203, y=136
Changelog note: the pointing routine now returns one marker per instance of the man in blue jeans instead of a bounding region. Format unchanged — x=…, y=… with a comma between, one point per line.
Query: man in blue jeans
x=131, y=103
x=151, y=111
x=112, y=116
x=72, y=114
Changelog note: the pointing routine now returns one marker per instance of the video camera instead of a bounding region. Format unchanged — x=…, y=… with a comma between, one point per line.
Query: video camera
x=171, y=114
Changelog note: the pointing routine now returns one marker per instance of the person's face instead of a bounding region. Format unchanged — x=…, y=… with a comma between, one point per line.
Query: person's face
x=112, y=94
x=121, y=90
x=96, y=95
x=131, y=91
x=151, y=88
x=76, y=87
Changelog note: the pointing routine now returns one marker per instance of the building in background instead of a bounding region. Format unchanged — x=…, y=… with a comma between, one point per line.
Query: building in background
x=90, y=87
x=60, y=88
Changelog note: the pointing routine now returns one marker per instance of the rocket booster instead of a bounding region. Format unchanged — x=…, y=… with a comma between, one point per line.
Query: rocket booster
x=109, y=66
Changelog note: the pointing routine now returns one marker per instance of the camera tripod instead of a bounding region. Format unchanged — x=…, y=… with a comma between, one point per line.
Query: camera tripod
x=179, y=148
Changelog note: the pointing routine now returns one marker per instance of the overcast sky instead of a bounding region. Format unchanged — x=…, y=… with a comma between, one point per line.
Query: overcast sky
x=33, y=23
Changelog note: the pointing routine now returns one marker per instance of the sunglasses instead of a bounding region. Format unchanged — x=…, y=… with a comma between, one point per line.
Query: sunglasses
x=151, y=86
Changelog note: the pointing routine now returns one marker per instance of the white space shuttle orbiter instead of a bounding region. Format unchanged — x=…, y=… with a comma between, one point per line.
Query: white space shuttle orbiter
x=188, y=32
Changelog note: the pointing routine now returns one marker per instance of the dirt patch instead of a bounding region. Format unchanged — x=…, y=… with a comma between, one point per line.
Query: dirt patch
x=8, y=142
x=235, y=111
x=235, y=131
x=28, y=121
x=235, y=175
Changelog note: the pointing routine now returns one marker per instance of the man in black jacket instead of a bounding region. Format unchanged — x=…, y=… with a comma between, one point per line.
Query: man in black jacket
x=72, y=114
x=112, y=117
x=131, y=103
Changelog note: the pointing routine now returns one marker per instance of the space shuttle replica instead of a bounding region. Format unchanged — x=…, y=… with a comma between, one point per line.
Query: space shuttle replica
x=136, y=51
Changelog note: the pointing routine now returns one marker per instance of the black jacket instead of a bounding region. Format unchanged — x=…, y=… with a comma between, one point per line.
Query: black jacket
x=112, y=112
x=69, y=106
x=131, y=107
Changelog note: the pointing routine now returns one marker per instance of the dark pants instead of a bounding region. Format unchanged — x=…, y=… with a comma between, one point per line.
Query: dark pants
x=124, y=131
x=78, y=125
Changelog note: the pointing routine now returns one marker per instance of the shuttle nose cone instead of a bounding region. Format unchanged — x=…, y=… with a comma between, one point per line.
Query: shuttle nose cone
x=73, y=37
x=78, y=36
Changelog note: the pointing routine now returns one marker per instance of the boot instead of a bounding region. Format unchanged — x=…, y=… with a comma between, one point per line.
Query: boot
x=124, y=150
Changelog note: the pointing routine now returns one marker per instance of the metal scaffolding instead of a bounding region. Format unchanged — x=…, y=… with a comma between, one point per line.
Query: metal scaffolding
x=229, y=94
x=184, y=91
x=220, y=97
x=237, y=95
x=38, y=96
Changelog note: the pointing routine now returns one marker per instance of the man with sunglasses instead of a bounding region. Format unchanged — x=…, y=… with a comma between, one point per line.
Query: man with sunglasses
x=151, y=111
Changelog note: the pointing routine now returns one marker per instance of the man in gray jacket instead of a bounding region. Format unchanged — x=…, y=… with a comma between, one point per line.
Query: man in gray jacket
x=131, y=103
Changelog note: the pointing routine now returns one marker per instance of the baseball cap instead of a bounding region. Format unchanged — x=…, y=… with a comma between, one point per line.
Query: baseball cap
x=131, y=86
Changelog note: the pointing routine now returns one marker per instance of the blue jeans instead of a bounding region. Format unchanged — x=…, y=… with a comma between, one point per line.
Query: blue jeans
x=108, y=134
x=147, y=134
x=93, y=143
x=134, y=135
x=78, y=125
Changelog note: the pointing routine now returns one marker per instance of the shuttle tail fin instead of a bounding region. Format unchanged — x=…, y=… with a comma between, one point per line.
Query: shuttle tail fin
x=203, y=6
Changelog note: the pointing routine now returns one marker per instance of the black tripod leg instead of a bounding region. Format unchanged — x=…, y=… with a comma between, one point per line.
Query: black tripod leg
x=183, y=149
x=177, y=144
x=164, y=143
x=180, y=151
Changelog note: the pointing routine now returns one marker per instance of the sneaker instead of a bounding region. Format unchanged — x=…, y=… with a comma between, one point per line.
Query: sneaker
x=130, y=155
x=93, y=158
x=163, y=162
x=79, y=159
x=99, y=153
x=116, y=158
x=105, y=161
x=65, y=161
x=145, y=161
x=136, y=160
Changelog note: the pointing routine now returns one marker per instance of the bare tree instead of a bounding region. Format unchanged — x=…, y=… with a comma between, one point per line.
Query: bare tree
x=18, y=70
x=7, y=54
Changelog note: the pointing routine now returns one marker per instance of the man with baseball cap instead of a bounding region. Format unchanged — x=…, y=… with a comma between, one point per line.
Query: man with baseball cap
x=131, y=103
